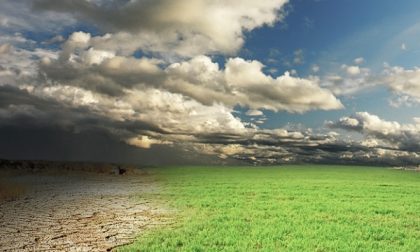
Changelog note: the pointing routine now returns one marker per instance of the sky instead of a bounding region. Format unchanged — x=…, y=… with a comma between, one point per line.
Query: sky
x=211, y=82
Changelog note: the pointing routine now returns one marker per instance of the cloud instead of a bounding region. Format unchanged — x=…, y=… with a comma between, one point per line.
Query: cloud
x=359, y=61
x=19, y=16
x=95, y=82
x=398, y=100
x=5, y=48
x=182, y=27
x=264, y=146
x=151, y=117
x=284, y=146
x=403, y=82
x=143, y=119
x=19, y=60
x=298, y=57
x=349, y=123
x=169, y=112
x=145, y=142
x=98, y=70
x=241, y=82
x=146, y=77
x=350, y=79
x=352, y=70
x=389, y=134
x=315, y=68
x=254, y=112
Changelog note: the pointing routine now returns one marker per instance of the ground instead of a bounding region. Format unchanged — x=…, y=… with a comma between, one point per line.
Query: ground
x=75, y=211
x=287, y=208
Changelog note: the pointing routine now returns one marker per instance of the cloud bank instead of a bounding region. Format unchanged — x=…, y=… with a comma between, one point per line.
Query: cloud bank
x=147, y=75
x=182, y=27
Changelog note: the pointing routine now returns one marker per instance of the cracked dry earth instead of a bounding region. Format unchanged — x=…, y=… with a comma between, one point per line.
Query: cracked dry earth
x=77, y=212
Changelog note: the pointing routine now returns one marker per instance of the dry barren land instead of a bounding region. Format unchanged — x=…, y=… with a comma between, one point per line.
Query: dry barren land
x=89, y=208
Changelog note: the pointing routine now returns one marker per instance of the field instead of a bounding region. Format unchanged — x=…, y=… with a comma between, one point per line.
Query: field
x=287, y=208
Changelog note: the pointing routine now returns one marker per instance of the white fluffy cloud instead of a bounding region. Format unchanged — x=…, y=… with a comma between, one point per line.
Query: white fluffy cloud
x=359, y=60
x=145, y=142
x=352, y=70
x=241, y=82
x=404, y=82
x=350, y=79
x=254, y=112
x=244, y=82
x=183, y=27
x=390, y=134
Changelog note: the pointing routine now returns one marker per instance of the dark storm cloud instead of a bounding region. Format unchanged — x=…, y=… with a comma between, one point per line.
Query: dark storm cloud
x=49, y=143
x=35, y=128
x=20, y=108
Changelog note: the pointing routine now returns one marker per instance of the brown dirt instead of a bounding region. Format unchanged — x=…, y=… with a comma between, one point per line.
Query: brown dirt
x=78, y=212
x=9, y=191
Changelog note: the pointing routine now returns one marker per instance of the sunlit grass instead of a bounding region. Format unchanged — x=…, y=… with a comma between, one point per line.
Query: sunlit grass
x=289, y=208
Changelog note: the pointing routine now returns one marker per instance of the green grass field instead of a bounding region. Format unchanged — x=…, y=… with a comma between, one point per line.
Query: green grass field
x=287, y=208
